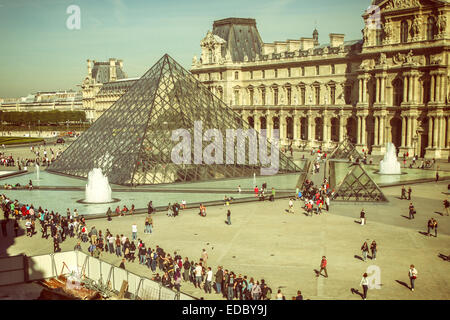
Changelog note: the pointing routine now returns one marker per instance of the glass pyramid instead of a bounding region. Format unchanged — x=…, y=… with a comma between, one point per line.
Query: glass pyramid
x=131, y=142
x=358, y=186
x=344, y=150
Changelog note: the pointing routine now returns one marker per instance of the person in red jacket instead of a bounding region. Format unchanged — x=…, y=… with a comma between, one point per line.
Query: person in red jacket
x=256, y=191
x=323, y=266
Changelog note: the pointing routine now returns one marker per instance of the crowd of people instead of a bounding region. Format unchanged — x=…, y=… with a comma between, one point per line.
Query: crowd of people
x=171, y=270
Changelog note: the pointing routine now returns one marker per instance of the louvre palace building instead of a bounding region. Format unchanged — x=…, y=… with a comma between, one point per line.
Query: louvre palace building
x=389, y=86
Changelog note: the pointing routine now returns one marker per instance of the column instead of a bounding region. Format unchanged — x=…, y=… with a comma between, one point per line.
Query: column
x=309, y=128
x=257, y=122
x=409, y=132
x=410, y=88
x=403, y=131
x=430, y=132
x=447, y=142
x=364, y=90
x=358, y=138
x=405, y=88
x=377, y=89
x=382, y=129
x=435, y=132
x=296, y=120
x=438, y=88
x=442, y=132
x=376, y=131
x=281, y=122
x=360, y=98
x=269, y=126
x=363, y=132
x=324, y=129
x=433, y=88
x=341, y=129
x=383, y=89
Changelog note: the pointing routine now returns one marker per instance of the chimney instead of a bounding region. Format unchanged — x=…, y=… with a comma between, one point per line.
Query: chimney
x=306, y=43
x=89, y=68
x=120, y=64
x=336, y=39
x=112, y=70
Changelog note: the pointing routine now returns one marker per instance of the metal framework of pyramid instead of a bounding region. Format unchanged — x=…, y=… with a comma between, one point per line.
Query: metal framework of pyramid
x=344, y=150
x=358, y=186
x=131, y=142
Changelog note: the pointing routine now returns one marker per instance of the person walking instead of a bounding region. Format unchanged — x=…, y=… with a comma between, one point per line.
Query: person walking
x=187, y=267
x=430, y=226
x=134, y=231
x=409, y=192
x=365, y=250
x=323, y=266
x=362, y=216
x=229, y=217
x=219, y=279
x=412, y=276
x=327, y=203
x=365, y=285
x=446, y=206
x=291, y=206
x=373, y=249
x=412, y=211
x=403, y=195
x=209, y=276
x=435, y=226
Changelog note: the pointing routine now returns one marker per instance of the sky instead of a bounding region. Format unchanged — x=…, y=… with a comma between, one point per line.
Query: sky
x=38, y=52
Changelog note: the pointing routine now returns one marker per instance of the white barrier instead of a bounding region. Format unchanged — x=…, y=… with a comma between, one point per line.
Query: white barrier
x=51, y=265
x=40, y=267
x=65, y=262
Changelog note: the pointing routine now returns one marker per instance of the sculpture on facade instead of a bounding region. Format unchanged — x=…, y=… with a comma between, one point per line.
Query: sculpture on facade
x=441, y=24
x=415, y=28
x=387, y=28
x=402, y=4
x=382, y=61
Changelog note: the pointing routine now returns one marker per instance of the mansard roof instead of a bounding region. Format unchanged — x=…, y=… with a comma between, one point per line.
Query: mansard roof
x=241, y=36
x=100, y=72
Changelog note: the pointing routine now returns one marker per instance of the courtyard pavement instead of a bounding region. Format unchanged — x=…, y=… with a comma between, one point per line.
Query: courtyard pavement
x=264, y=241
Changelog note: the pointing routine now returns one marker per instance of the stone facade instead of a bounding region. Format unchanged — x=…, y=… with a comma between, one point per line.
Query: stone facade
x=102, y=74
x=391, y=86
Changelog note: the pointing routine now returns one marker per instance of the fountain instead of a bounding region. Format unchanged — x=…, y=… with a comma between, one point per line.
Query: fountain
x=98, y=189
x=390, y=165
x=37, y=172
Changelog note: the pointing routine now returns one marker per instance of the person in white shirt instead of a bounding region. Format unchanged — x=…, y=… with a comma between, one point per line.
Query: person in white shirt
x=412, y=276
x=365, y=285
x=198, y=275
x=291, y=206
x=208, y=281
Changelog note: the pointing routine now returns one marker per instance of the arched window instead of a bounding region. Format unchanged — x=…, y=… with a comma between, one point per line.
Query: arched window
x=404, y=32
x=210, y=56
x=430, y=28
x=236, y=75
